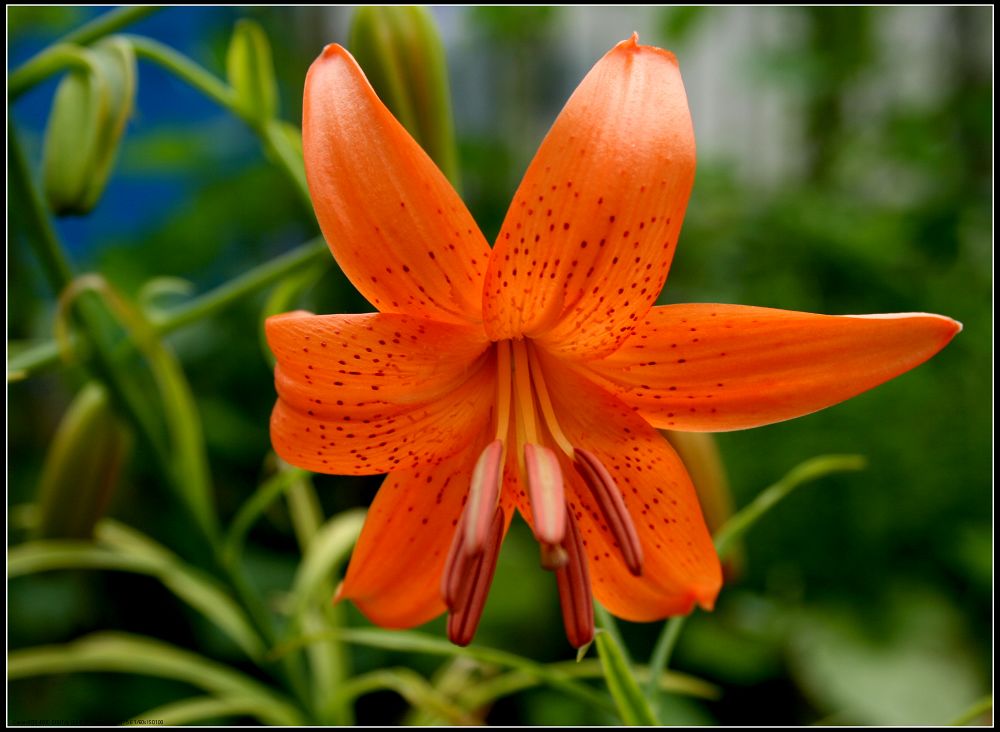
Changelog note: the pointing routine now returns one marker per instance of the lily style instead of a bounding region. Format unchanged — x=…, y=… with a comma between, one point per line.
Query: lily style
x=534, y=375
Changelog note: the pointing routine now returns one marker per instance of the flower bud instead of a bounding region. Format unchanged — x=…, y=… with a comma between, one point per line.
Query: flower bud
x=86, y=123
x=401, y=53
x=82, y=467
x=251, y=71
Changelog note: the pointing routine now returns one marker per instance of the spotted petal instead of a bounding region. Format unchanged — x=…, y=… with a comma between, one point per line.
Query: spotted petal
x=712, y=368
x=680, y=568
x=394, y=576
x=394, y=223
x=587, y=242
x=373, y=393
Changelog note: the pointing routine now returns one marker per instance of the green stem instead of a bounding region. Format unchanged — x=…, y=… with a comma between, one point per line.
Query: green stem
x=184, y=68
x=220, y=92
x=663, y=651
x=60, y=57
x=810, y=470
x=738, y=524
x=607, y=622
x=41, y=233
x=261, y=276
x=288, y=669
x=131, y=398
x=45, y=355
x=109, y=23
x=56, y=57
x=42, y=236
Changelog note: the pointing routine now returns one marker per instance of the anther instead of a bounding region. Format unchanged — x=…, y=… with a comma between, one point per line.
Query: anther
x=573, y=581
x=475, y=575
x=612, y=506
x=454, y=566
x=484, y=491
x=546, y=492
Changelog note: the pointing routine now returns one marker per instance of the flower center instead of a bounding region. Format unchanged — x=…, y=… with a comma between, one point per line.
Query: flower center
x=537, y=440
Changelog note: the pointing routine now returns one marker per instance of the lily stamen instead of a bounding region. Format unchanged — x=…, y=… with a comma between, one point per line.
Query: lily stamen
x=484, y=494
x=545, y=405
x=612, y=506
x=469, y=584
x=546, y=492
x=574, y=589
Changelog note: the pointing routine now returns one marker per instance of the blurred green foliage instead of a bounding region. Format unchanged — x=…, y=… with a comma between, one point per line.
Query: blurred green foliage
x=865, y=599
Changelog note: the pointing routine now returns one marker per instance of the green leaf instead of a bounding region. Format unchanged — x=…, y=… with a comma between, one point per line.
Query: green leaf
x=82, y=466
x=251, y=71
x=488, y=691
x=124, y=653
x=125, y=551
x=327, y=551
x=205, y=708
x=186, y=461
x=414, y=642
x=633, y=708
x=411, y=686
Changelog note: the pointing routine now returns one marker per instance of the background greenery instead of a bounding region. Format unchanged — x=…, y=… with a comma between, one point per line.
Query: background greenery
x=864, y=599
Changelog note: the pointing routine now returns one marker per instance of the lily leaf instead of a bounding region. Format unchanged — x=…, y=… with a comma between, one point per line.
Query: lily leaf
x=411, y=686
x=327, y=551
x=124, y=653
x=414, y=642
x=198, y=591
x=632, y=706
x=512, y=682
x=205, y=708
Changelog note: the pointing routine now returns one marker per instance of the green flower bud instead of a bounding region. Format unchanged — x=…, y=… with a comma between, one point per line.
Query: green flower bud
x=82, y=466
x=401, y=53
x=86, y=124
x=251, y=71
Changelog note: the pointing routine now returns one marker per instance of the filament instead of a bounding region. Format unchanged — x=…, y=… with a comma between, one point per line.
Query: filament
x=545, y=404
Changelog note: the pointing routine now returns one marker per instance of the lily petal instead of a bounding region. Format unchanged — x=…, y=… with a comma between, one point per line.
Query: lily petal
x=374, y=393
x=395, y=570
x=708, y=368
x=394, y=223
x=680, y=567
x=587, y=242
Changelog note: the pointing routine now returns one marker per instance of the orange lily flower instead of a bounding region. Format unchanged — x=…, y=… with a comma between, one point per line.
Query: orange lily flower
x=534, y=375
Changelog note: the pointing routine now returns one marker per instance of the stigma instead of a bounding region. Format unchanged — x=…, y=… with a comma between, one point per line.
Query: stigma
x=530, y=443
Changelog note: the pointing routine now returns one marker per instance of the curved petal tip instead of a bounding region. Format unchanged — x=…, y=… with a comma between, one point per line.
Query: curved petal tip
x=334, y=49
x=632, y=45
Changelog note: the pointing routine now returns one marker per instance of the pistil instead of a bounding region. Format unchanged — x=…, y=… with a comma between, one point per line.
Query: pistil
x=540, y=465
